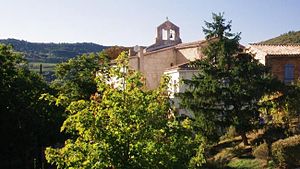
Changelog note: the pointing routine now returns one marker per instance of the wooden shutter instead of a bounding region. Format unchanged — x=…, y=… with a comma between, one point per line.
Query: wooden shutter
x=288, y=73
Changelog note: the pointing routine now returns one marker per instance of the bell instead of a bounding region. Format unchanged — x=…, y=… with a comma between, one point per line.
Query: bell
x=171, y=36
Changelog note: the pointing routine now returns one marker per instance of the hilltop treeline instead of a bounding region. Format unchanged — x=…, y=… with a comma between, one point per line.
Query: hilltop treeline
x=52, y=52
x=289, y=38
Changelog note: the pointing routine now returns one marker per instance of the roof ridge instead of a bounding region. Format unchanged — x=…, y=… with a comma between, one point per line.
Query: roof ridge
x=198, y=42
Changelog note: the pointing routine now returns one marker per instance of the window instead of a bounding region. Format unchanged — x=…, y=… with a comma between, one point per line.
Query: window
x=288, y=73
x=175, y=86
x=172, y=34
x=164, y=34
x=168, y=34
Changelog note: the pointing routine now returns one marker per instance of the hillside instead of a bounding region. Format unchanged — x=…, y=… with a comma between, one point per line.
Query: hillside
x=52, y=52
x=289, y=38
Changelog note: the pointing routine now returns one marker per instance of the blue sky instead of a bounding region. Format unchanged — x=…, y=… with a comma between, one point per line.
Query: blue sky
x=133, y=22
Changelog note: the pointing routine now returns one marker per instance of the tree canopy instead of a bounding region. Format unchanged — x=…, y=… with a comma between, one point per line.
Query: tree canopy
x=75, y=78
x=27, y=123
x=124, y=125
x=227, y=89
x=52, y=52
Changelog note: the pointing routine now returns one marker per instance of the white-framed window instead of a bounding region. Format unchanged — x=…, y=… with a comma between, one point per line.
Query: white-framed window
x=164, y=34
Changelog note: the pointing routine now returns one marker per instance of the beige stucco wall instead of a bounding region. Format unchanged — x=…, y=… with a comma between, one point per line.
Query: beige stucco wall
x=173, y=86
x=134, y=63
x=177, y=86
x=176, y=76
x=154, y=65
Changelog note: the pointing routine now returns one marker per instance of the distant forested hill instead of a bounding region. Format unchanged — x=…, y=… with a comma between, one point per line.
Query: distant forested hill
x=52, y=52
x=289, y=38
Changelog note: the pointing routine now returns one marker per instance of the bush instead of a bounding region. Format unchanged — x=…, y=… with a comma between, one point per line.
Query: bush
x=286, y=152
x=230, y=134
x=261, y=152
x=274, y=133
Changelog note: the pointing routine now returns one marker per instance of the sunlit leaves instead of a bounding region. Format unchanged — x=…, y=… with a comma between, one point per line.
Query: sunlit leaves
x=124, y=125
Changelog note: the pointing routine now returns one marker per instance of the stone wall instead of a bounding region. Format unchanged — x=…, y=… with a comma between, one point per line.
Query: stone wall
x=154, y=65
x=134, y=63
x=277, y=65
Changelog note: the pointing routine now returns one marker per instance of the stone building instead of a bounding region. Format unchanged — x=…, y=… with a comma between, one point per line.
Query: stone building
x=165, y=56
x=283, y=60
x=168, y=55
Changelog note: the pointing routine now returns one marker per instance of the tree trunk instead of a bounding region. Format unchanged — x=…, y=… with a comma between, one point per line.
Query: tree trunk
x=244, y=138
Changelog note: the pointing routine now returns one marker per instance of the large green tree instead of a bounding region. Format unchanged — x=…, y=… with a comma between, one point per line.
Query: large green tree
x=126, y=126
x=27, y=124
x=229, y=84
x=75, y=78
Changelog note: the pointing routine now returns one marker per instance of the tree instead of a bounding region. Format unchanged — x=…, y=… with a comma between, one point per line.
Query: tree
x=281, y=107
x=27, y=123
x=114, y=51
x=229, y=84
x=75, y=78
x=126, y=126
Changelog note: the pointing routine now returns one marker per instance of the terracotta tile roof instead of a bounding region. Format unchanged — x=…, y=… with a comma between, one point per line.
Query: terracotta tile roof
x=276, y=49
x=178, y=46
x=190, y=44
x=183, y=66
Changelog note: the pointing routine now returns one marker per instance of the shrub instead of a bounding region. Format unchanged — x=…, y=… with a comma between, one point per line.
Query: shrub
x=286, y=152
x=274, y=133
x=230, y=134
x=261, y=152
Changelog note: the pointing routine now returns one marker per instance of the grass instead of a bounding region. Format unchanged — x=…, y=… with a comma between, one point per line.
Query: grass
x=232, y=153
x=47, y=67
x=247, y=164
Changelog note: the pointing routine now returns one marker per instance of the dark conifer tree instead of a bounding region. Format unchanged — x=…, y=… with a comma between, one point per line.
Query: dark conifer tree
x=226, y=90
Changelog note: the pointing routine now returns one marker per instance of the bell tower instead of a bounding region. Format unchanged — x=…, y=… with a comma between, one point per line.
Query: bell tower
x=167, y=35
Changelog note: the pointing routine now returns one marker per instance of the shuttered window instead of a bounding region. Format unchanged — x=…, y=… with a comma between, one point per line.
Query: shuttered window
x=288, y=73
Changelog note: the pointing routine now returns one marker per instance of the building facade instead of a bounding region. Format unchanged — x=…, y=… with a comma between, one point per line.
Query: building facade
x=283, y=60
x=166, y=54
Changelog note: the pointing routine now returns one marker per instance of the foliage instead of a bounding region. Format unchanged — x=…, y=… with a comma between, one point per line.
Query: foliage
x=230, y=133
x=273, y=133
x=280, y=110
x=286, y=152
x=290, y=38
x=224, y=156
x=280, y=107
x=226, y=90
x=75, y=78
x=27, y=123
x=262, y=152
x=274, y=110
x=114, y=51
x=124, y=125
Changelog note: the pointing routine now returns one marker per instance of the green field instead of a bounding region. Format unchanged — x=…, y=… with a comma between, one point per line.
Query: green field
x=47, y=67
